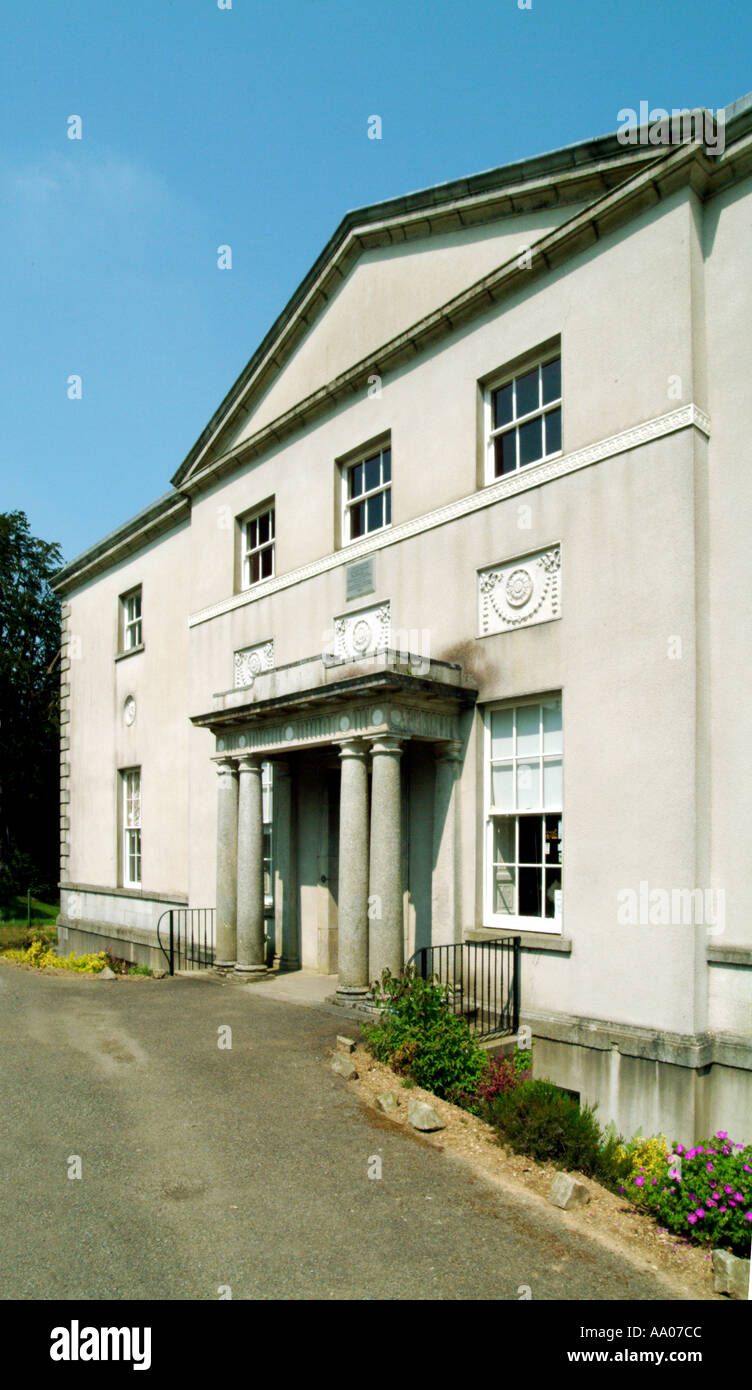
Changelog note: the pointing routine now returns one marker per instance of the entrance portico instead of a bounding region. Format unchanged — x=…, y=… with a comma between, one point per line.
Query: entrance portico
x=362, y=718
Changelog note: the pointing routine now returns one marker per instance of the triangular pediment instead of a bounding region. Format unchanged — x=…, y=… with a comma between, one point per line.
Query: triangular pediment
x=396, y=266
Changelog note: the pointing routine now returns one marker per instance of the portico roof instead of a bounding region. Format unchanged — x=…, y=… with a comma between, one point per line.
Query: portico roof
x=320, y=700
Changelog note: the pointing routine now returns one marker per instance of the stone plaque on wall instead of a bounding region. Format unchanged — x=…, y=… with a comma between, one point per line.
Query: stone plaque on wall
x=359, y=578
x=520, y=592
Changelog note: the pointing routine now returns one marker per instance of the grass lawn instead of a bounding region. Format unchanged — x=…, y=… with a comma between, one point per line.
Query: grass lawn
x=13, y=925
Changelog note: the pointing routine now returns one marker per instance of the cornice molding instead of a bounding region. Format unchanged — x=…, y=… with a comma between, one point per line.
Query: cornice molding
x=534, y=475
x=162, y=515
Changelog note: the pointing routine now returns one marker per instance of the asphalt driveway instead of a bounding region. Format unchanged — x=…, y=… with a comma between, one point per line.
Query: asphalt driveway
x=204, y=1168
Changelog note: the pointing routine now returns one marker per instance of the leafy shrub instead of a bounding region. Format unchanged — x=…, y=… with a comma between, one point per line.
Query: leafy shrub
x=539, y=1119
x=500, y=1076
x=42, y=957
x=419, y=1036
x=646, y=1156
x=505, y=1074
x=710, y=1201
x=47, y=936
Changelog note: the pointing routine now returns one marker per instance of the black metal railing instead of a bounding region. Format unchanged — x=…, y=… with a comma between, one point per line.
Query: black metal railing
x=483, y=980
x=187, y=937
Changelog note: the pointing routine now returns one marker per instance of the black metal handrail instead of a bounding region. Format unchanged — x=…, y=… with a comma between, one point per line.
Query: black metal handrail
x=189, y=934
x=483, y=980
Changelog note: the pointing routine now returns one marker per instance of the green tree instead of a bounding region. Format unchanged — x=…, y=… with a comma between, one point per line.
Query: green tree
x=29, y=708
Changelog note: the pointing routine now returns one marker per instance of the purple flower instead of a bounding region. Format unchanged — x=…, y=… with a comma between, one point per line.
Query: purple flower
x=738, y=1196
x=723, y=1208
x=747, y=1168
x=708, y=1167
x=721, y=1134
x=748, y=1216
x=728, y=1189
x=680, y=1148
x=655, y=1182
x=639, y=1182
x=700, y=1211
x=691, y=1219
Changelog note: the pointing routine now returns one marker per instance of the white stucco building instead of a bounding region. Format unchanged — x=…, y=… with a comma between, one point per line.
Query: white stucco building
x=441, y=632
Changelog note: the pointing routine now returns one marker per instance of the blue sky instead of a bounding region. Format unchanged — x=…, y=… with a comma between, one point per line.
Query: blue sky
x=248, y=127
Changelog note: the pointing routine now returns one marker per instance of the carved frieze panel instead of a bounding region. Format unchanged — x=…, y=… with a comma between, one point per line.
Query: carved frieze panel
x=520, y=592
x=249, y=662
x=362, y=633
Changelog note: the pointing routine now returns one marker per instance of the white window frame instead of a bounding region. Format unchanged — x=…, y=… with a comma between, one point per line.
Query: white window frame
x=514, y=922
x=348, y=503
x=268, y=509
x=132, y=619
x=491, y=433
x=130, y=812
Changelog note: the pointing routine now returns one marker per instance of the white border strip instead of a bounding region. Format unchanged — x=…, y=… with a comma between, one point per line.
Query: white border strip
x=531, y=476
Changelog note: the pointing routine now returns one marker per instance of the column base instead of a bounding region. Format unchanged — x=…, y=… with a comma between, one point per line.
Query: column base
x=288, y=963
x=251, y=972
x=351, y=994
x=223, y=967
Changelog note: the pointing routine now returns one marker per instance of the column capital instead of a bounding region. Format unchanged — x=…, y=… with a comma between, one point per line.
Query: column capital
x=352, y=748
x=249, y=762
x=386, y=743
x=225, y=764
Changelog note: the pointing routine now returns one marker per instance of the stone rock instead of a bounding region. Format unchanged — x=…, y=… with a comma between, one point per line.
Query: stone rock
x=567, y=1192
x=345, y=1044
x=423, y=1116
x=344, y=1067
x=158, y=974
x=106, y=974
x=730, y=1274
x=387, y=1103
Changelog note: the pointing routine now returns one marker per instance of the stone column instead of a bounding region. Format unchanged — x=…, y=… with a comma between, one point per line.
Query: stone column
x=286, y=926
x=227, y=861
x=445, y=880
x=387, y=936
x=251, y=955
x=352, y=938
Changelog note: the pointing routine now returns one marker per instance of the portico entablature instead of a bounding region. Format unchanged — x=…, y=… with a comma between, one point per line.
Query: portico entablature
x=347, y=721
x=360, y=704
